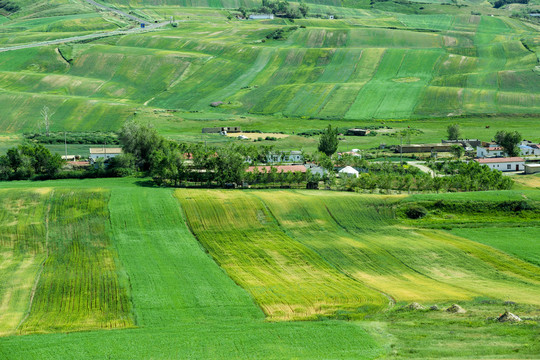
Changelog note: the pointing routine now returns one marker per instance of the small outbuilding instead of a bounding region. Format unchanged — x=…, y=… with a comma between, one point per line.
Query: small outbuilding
x=532, y=168
x=348, y=171
x=104, y=153
x=261, y=17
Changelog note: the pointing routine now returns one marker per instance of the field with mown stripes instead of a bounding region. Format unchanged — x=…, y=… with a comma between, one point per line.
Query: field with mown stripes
x=158, y=273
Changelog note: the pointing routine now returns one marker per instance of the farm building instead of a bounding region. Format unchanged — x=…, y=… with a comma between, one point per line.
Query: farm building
x=261, y=17
x=348, y=171
x=492, y=150
x=532, y=168
x=353, y=152
x=279, y=168
x=316, y=170
x=358, y=132
x=285, y=157
x=104, y=153
x=504, y=163
x=473, y=143
x=423, y=148
x=218, y=130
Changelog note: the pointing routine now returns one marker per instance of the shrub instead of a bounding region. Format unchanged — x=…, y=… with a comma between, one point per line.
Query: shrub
x=416, y=212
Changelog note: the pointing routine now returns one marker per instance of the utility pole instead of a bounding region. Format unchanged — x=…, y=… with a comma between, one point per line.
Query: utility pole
x=65, y=143
x=401, y=151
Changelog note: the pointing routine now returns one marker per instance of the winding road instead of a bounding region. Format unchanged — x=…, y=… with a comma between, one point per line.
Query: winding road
x=150, y=26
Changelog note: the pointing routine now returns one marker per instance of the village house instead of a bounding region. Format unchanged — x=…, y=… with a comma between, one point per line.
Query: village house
x=527, y=147
x=504, y=163
x=294, y=157
x=488, y=150
x=316, y=170
x=279, y=168
x=222, y=130
x=104, y=153
x=358, y=132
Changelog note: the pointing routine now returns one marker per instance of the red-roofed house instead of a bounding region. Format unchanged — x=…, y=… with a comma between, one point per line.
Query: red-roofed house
x=490, y=151
x=280, y=168
x=504, y=164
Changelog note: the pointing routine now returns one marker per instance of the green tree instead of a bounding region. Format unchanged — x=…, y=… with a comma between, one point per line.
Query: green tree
x=122, y=165
x=230, y=166
x=457, y=151
x=141, y=140
x=509, y=141
x=304, y=8
x=328, y=143
x=454, y=132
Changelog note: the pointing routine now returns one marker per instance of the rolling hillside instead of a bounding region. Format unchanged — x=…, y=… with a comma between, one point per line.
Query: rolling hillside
x=367, y=65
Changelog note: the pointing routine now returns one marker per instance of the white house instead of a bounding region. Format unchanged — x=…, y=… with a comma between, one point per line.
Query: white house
x=353, y=152
x=492, y=150
x=530, y=149
x=294, y=157
x=348, y=171
x=504, y=163
x=316, y=169
x=261, y=17
x=104, y=153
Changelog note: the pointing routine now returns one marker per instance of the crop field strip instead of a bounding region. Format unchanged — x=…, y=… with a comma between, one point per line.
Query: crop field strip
x=184, y=304
x=354, y=235
x=59, y=270
x=288, y=280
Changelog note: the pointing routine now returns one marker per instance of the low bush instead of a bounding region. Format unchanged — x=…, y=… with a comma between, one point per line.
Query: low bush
x=416, y=212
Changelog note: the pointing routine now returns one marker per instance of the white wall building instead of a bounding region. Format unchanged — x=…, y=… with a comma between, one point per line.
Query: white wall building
x=504, y=164
x=532, y=168
x=491, y=151
x=531, y=149
x=294, y=157
x=261, y=17
x=104, y=153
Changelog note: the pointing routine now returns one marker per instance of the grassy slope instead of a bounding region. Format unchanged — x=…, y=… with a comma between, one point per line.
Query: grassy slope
x=522, y=242
x=288, y=280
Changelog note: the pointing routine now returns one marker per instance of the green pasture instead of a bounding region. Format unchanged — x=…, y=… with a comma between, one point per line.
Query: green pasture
x=521, y=241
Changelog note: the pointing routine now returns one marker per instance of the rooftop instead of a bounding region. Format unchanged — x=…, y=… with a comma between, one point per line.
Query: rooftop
x=280, y=168
x=105, y=150
x=500, y=160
